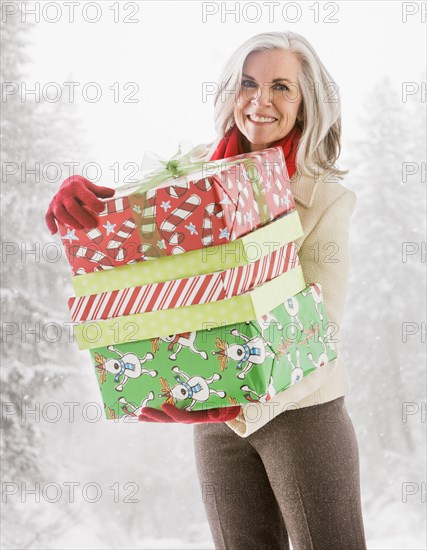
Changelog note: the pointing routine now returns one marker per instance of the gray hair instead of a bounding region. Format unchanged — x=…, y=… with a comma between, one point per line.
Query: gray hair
x=320, y=143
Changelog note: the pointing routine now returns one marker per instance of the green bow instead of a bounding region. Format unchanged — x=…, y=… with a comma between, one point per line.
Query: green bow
x=180, y=167
x=176, y=167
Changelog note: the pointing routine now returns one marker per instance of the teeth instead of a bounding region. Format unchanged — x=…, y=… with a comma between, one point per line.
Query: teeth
x=261, y=119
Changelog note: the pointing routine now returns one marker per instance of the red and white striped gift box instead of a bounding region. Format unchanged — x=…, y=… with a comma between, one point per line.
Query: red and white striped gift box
x=199, y=289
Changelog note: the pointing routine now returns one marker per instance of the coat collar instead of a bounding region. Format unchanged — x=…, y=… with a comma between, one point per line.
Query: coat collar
x=304, y=188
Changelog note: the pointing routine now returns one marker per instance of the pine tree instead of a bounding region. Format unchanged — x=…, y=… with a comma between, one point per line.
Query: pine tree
x=385, y=292
x=31, y=295
x=34, y=373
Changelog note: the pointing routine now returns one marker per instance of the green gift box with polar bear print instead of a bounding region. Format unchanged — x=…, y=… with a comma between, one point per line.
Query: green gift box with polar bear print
x=221, y=367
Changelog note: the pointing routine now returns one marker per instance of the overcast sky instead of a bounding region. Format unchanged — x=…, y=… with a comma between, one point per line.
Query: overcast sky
x=170, y=52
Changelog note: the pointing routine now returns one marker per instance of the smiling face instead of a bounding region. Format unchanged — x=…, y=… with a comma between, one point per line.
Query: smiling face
x=269, y=89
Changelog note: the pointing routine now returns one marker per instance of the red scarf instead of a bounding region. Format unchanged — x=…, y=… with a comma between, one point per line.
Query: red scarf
x=231, y=145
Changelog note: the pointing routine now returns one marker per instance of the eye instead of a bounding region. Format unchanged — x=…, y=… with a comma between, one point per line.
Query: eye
x=183, y=391
x=239, y=352
x=248, y=84
x=282, y=87
x=116, y=366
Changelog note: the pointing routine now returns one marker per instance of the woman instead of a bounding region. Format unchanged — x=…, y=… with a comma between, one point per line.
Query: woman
x=288, y=467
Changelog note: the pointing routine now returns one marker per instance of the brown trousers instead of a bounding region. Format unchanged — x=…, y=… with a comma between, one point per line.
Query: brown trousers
x=296, y=477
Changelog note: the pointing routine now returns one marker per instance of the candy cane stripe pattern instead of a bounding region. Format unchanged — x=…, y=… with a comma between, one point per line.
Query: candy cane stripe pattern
x=203, y=185
x=199, y=289
x=168, y=229
x=122, y=234
x=116, y=205
x=178, y=190
x=177, y=250
x=116, y=243
x=94, y=256
x=239, y=279
x=94, y=235
x=120, y=254
x=212, y=209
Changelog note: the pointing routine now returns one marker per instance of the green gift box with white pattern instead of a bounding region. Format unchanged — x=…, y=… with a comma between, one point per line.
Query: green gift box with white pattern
x=221, y=367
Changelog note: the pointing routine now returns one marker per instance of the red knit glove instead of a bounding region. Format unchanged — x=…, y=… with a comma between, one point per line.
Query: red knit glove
x=173, y=414
x=75, y=202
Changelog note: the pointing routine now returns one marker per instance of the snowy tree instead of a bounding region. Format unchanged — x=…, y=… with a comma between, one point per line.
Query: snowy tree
x=387, y=291
x=33, y=292
x=37, y=369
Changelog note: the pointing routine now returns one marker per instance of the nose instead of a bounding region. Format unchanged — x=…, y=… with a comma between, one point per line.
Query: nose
x=262, y=95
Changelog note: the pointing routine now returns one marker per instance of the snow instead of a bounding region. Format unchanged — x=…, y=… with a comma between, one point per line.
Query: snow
x=157, y=461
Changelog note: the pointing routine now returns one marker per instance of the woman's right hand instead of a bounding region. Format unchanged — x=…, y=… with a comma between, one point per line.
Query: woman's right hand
x=75, y=203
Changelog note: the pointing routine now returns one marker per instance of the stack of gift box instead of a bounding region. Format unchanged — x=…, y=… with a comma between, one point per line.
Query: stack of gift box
x=189, y=290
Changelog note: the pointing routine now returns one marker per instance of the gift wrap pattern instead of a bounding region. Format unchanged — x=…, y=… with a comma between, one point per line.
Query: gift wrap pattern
x=199, y=289
x=242, y=251
x=183, y=214
x=225, y=366
x=141, y=326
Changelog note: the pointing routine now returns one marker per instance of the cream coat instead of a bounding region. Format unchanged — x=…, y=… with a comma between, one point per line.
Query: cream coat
x=325, y=208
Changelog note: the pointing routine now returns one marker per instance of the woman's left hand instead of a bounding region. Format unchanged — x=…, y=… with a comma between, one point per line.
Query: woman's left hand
x=170, y=413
